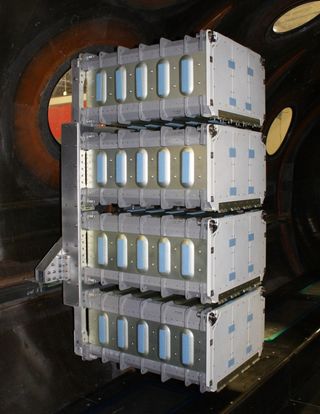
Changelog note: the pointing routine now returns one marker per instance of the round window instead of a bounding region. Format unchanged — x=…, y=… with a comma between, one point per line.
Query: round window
x=278, y=130
x=60, y=105
x=296, y=17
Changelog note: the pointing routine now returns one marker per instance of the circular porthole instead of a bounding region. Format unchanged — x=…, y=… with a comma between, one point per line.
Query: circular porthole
x=60, y=105
x=297, y=17
x=278, y=130
x=43, y=63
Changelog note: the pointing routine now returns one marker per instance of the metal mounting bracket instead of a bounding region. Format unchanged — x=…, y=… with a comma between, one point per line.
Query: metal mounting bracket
x=54, y=267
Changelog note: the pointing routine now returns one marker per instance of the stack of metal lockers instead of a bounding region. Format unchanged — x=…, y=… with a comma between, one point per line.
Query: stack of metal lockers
x=168, y=280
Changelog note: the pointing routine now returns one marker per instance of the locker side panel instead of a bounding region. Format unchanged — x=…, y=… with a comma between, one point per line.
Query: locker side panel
x=239, y=245
x=238, y=81
x=241, y=325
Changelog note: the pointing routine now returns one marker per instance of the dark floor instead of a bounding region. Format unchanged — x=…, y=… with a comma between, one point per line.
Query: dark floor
x=287, y=375
x=305, y=398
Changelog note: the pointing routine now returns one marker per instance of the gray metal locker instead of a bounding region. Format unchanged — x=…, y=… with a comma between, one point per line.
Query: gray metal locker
x=212, y=259
x=174, y=338
x=208, y=76
x=215, y=167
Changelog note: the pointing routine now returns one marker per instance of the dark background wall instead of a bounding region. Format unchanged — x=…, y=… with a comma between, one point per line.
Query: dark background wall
x=38, y=40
